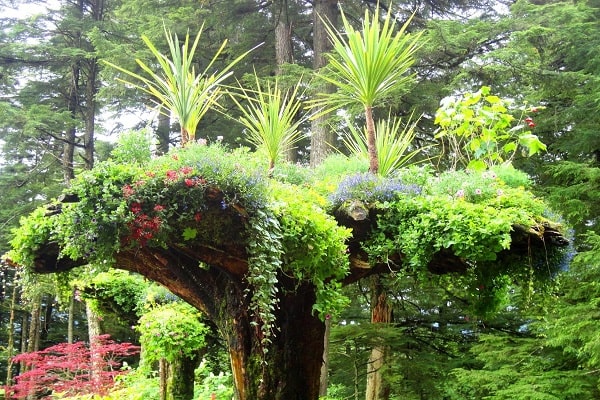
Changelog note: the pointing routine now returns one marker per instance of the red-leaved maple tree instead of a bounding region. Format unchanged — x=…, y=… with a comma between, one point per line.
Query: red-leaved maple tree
x=71, y=369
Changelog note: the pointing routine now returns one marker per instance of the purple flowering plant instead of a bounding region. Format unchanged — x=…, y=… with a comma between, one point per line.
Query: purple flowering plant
x=371, y=188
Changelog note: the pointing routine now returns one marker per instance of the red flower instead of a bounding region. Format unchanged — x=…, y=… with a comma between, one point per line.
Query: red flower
x=136, y=208
x=158, y=208
x=197, y=217
x=528, y=119
x=186, y=170
x=531, y=125
x=171, y=175
x=189, y=182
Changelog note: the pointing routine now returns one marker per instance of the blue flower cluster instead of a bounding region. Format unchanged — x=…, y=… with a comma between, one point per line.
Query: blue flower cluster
x=371, y=188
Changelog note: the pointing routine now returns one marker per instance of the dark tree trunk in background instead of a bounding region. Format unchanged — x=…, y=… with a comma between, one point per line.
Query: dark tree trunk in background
x=322, y=137
x=284, y=53
x=163, y=131
x=71, y=319
x=33, y=339
x=11, y=337
x=381, y=313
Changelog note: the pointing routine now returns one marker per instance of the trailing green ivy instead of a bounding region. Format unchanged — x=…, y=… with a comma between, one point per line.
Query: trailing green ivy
x=314, y=245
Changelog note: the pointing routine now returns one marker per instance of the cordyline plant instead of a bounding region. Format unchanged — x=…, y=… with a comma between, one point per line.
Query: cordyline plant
x=392, y=141
x=366, y=66
x=178, y=87
x=272, y=118
x=72, y=369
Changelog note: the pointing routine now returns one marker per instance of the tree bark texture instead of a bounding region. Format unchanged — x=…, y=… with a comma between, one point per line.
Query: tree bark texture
x=94, y=330
x=180, y=378
x=11, y=337
x=321, y=136
x=163, y=131
x=284, y=53
x=371, y=145
x=381, y=313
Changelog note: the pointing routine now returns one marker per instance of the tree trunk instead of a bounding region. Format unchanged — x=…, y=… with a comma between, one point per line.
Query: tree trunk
x=180, y=381
x=90, y=112
x=284, y=53
x=34, y=324
x=286, y=368
x=163, y=131
x=289, y=367
x=381, y=313
x=94, y=330
x=33, y=340
x=71, y=131
x=71, y=318
x=163, y=369
x=371, y=145
x=321, y=136
x=11, y=338
x=24, y=331
x=324, y=380
x=283, y=35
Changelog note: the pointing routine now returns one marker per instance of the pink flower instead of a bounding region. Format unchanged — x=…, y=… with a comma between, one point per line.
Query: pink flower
x=460, y=193
x=171, y=175
x=489, y=175
x=478, y=191
x=189, y=182
x=499, y=192
x=158, y=208
x=186, y=170
x=127, y=191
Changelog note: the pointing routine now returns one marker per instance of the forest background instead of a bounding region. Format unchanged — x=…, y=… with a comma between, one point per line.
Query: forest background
x=57, y=98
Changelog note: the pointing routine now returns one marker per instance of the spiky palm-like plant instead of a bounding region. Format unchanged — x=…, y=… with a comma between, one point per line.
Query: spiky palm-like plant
x=392, y=139
x=272, y=118
x=177, y=87
x=367, y=65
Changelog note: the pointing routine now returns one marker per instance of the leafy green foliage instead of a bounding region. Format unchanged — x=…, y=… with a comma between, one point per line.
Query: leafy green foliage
x=133, y=147
x=469, y=214
x=115, y=291
x=171, y=331
x=313, y=248
x=479, y=129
